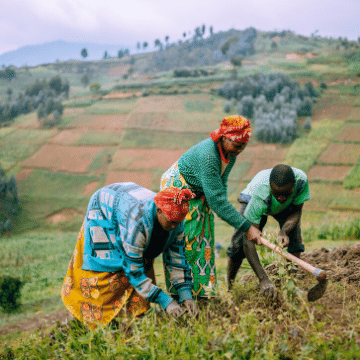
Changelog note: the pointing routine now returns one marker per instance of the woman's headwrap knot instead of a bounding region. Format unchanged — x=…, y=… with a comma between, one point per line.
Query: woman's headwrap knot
x=174, y=202
x=235, y=127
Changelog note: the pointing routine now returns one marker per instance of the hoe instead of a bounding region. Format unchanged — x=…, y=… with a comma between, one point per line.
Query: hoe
x=318, y=290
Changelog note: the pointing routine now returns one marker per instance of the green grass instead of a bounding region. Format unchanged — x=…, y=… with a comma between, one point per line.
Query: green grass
x=78, y=102
x=100, y=161
x=345, y=229
x=112, y=107
x=92, y=138
x=304, y=152
x=326, y=129
x=18, y=145
x=46, y=184
x=199, y=106
x=352, y=179
x=346, y=200
x=159, y=139
x=41, y=259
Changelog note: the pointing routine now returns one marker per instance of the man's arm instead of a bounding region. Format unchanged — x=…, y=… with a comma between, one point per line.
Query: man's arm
x=290, y=224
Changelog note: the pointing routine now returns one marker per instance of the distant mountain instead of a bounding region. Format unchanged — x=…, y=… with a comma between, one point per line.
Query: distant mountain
x=33, y=55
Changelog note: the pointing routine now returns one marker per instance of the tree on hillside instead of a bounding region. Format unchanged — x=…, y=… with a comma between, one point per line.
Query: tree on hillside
x=138, y=45
x=184, y=35
x=84, y=53
x=85, y=80
x=211, y=31
x=126, y=52
x=120, y=53
x=145, y=45
x=158, y=44
x=167, y=40
x=106, y=55
x=9, y=93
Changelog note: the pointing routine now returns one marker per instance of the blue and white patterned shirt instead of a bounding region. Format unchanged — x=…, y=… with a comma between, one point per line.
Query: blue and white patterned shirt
x=118, y=226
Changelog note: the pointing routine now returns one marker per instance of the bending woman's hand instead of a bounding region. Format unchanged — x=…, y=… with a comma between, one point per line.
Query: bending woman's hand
x=254, y=235
x=174, y=309
x=191, y=307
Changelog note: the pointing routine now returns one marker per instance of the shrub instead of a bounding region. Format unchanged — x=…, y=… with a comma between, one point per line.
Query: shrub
x=10, y=292
x=227, y=106
x=94, y=87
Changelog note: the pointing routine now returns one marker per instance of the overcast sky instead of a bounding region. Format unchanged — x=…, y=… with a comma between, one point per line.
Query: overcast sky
x=29, y=22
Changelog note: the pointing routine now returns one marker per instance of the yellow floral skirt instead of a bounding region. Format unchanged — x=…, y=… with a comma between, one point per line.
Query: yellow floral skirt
x=97, y=297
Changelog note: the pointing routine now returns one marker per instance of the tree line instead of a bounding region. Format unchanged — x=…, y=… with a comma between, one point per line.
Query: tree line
x=273, y=102
x=43, y=96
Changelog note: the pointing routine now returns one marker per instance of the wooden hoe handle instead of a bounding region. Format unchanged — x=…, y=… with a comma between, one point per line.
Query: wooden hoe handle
x=319, y=274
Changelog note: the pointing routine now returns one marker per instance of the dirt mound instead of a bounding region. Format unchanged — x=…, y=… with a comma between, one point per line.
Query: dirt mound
x=341, y=263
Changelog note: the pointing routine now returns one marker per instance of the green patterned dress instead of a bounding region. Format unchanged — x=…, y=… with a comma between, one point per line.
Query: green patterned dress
x=199, y=235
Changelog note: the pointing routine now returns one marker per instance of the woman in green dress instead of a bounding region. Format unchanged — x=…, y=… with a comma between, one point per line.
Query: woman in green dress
x=204, y=169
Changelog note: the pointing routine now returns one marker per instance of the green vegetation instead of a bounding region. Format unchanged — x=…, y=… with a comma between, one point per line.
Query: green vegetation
x=352, y=179
x=304, y=152
x=27, y=142
x=155, y=139
x=345, y=229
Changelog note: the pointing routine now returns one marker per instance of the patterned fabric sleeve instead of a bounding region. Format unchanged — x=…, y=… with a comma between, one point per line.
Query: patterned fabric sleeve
x=134, y=268
x=179, y=270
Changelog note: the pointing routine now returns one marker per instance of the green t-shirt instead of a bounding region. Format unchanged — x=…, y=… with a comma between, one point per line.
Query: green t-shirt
x=262, y=202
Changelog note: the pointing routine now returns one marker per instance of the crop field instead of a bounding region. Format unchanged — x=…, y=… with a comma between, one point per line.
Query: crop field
x=88, y=122
x=350, y=133
x=136, y=159
x=143, y=178
x=63, y=158
x=338, y=153
x=328, y=172
x=18, y=145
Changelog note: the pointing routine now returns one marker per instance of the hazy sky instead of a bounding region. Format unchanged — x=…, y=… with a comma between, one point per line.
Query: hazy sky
x=29, y=22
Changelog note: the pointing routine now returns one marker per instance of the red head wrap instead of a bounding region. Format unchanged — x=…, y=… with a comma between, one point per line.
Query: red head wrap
x=235, y=127
x=174, y=203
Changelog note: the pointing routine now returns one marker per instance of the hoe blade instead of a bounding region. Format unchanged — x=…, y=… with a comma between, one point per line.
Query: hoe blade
x=317, y=291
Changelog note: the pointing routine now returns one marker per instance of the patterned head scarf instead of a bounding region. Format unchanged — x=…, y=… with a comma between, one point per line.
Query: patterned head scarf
x=174, y=203
x=235, y=127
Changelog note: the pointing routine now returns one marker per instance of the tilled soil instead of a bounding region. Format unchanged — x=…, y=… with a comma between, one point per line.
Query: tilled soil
x=341, y=264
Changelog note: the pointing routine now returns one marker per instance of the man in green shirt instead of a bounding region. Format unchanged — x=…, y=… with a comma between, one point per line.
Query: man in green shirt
x=281, y=193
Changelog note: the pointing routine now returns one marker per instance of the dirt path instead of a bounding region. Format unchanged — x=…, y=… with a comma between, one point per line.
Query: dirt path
x=38, y=322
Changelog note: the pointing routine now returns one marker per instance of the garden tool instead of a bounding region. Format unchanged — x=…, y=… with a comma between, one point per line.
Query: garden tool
x=318, y=290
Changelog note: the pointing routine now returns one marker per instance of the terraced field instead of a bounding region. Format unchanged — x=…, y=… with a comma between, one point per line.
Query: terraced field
x=132, y=138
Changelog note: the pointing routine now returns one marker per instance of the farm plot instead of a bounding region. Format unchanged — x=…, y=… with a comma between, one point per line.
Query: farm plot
x=98, y=123
x=161, y=103
x=340, y=154
x=351, y=133
x=142, y=178
x=261, y=157
x=66, y=137
x=161, y=139
x=112, y=107
x=333, y=112
x=322, y=196
x=63, y=158
x=329, y=172
x=118, y=71
x=355, y=113
x=136, y=159
x=20, y=144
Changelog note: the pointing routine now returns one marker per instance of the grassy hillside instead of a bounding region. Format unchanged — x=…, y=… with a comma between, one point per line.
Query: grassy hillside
x=134, y=130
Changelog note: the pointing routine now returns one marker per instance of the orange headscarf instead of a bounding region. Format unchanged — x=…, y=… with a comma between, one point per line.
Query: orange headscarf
x=174, y=203
x=235, y=127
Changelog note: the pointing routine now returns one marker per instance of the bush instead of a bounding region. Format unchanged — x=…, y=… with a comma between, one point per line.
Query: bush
x=227, y=106
x=10, y=292
x=94, y=87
